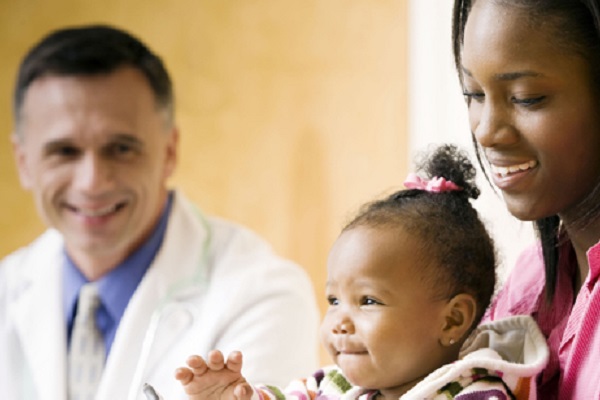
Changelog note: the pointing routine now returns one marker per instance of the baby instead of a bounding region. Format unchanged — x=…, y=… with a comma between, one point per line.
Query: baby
x=409, y=279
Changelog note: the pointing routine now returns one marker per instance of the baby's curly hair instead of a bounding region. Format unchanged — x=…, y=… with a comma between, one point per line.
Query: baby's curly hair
x=457, y=251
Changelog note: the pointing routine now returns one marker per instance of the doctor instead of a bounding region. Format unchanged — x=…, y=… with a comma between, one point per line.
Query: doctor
x=95, y=142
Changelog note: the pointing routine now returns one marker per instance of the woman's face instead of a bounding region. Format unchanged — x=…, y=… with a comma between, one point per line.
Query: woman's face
x=533, y=110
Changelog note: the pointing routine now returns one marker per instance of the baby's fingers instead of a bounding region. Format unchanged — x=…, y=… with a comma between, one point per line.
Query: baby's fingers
x=215, y=360
x=197, y=365
x=234, y=361
x=243, y=391
x=184, y=375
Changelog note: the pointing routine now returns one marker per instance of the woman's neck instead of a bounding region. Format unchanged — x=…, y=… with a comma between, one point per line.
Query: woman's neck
x=582, y=224
x=582, y=239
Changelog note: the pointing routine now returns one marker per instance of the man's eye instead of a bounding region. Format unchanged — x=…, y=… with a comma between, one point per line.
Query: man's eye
x=66, y=151
x=121, y=149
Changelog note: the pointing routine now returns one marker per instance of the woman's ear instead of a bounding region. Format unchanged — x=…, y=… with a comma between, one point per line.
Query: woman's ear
x=458, y=317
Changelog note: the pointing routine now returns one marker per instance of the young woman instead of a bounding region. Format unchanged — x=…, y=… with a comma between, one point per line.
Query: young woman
x=530, y=71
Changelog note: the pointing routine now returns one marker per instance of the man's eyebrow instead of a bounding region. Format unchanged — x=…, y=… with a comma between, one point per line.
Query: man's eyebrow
x=122, y=138
x=126, y=138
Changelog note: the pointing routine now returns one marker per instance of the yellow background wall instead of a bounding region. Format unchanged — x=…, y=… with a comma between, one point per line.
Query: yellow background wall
x=292, y=112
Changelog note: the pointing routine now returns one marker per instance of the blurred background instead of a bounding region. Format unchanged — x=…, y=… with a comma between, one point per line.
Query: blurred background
x=292, y=113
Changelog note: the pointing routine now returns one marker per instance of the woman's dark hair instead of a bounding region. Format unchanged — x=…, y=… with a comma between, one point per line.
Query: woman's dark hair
x=91, y=50
x=459, y=254
x=576, y=28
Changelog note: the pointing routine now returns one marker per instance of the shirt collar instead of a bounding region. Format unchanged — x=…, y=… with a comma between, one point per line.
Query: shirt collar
x=116, y=287
x=593, y=256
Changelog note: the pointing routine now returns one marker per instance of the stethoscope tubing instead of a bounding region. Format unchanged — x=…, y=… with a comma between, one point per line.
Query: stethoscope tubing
x=200, y=279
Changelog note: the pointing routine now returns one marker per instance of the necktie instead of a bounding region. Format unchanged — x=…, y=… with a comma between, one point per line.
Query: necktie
x=86, y=354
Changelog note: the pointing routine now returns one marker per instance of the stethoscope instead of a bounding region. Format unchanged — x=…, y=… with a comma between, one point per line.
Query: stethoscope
x=175, y=295
x=150, y=393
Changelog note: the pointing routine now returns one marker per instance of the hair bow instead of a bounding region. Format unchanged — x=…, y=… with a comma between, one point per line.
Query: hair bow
x=435, y=184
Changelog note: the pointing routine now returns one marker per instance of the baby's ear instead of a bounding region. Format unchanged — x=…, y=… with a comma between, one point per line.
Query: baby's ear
x=459, y=315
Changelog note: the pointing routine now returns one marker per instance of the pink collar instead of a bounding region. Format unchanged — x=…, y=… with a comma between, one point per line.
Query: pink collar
x=593, y=256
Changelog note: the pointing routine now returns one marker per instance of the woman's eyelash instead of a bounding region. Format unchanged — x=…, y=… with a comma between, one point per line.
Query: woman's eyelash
x=477, y=96
x=529, y=101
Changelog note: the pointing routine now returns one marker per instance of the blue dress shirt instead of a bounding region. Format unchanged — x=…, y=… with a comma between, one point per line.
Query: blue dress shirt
x=116, y=287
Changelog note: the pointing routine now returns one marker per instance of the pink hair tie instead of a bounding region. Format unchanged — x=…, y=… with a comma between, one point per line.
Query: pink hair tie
x=436, y=184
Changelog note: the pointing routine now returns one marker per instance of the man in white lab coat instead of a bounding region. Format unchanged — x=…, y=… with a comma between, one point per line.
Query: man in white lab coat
x=95, y=142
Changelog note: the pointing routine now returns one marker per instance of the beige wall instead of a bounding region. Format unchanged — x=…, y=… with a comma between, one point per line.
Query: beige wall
x=292, y=112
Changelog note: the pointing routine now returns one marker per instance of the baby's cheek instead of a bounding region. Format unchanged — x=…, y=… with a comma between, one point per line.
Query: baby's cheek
x=325, y=334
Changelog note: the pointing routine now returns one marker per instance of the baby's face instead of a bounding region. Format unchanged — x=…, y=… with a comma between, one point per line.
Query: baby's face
x=382, y=325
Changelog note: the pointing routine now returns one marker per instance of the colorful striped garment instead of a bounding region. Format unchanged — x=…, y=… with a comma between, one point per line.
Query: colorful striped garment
x=480, y=373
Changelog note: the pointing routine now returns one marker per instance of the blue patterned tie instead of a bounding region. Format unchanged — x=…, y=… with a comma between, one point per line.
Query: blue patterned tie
x=86, y=353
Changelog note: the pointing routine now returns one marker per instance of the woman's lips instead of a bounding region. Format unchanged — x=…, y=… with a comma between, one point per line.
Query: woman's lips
x=504, y=171
x=511, y=177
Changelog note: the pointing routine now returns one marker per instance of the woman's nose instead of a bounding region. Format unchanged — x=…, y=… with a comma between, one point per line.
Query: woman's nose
x=491, y=125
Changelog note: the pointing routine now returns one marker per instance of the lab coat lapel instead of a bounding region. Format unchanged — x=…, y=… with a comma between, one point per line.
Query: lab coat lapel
x=126, y=347
x=175, y=262
x=37, y=312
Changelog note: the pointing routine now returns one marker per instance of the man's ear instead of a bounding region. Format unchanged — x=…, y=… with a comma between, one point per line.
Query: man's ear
x=459, y=315
x=21, y=160
x=171, y=148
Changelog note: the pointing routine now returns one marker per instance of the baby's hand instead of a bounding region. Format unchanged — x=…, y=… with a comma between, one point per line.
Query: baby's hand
x=214, y=379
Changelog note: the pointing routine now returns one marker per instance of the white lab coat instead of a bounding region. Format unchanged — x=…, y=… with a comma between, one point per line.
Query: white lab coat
x=248, y=299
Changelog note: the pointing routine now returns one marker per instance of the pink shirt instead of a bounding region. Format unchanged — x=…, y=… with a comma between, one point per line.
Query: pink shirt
x=571, y=326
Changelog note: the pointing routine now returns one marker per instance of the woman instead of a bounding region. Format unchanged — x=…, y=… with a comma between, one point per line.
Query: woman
x=530, y=71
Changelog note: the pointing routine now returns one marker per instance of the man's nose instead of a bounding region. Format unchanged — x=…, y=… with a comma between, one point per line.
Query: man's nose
x=92, y=173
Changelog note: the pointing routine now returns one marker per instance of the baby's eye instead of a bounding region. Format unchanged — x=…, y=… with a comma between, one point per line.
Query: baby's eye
x=369, y=301
x=333, y=301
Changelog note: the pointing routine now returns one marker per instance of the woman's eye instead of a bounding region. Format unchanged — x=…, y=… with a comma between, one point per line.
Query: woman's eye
x=333, y=301
x=528, y=101
x=473, y=96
